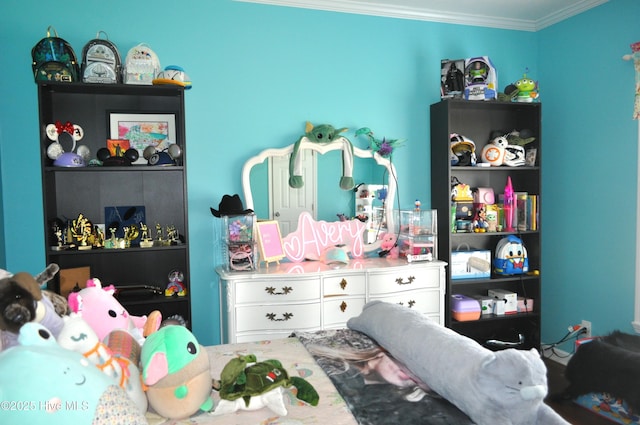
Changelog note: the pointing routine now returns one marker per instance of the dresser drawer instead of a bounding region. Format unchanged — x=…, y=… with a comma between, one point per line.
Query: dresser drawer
x=344, y=285
x=277, y=291
x=425, y=301
x=277, y=317
x=404, y=279
x=340, y=309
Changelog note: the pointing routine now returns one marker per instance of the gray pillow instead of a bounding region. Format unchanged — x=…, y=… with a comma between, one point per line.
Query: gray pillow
x=492, y=388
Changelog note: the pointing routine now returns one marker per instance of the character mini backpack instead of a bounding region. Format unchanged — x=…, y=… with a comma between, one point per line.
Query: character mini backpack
x=53, y=59
x=510, y=257
x=101, y=61
x=141, y=65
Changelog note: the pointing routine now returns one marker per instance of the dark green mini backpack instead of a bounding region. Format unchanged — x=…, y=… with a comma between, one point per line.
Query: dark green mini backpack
x=54, y=59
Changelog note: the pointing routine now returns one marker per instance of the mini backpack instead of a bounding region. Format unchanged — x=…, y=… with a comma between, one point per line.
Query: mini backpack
x=54, y=59
x=510, y=257
x=141, y=65
x=101, y=61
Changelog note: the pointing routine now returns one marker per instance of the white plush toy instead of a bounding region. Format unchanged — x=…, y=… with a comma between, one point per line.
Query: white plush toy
x=78, y=336
x=493, y=388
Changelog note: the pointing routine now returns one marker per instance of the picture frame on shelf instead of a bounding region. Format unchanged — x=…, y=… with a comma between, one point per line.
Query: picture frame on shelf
x=270, y=241
x=143, y=130
x=73, y=279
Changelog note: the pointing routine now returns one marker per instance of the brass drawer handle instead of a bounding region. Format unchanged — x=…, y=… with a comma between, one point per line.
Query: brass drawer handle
x=343, y=306
x=410, y=304
x=409, y=281
x=285, y=290
x=343, y=283
x=285, y=317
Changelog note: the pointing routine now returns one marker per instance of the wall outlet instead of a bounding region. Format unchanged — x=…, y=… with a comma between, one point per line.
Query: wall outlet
x=587, y=326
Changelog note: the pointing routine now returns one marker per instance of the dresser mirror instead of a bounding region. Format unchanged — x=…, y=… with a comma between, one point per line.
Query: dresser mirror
x=266, y=190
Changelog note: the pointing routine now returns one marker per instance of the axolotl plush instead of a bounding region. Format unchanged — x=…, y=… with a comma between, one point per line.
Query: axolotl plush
x=43, y=383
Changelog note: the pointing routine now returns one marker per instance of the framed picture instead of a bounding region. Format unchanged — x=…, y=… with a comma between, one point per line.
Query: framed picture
x=270, y=241
x=142, y=130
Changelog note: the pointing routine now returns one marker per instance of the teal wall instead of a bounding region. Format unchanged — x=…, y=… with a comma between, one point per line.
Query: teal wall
x=259, y=72
x=590, y=170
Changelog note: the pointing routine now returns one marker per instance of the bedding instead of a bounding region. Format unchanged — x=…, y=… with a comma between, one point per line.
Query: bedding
x=349, y=395
x=331, y=409
x=359, y=369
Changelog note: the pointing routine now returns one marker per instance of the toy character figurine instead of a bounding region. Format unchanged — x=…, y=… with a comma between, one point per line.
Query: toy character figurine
x=480, y=223
x=527, y=89
x=176, y=284
x=322, y=134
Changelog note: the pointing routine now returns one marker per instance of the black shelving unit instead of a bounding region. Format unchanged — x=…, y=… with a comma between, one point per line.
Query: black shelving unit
x=68, y=192
x=476, y=120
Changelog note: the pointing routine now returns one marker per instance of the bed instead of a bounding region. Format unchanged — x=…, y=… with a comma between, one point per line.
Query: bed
x=345, y=397
x=358, y=382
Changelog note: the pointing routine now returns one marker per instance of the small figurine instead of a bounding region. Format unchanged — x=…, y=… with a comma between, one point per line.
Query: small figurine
x=176, y=284
x=527, y=89
x=159, y=240
x=480, y=223
x=145, y=240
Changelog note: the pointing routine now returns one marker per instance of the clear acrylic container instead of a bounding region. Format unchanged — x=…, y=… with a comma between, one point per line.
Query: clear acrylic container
x=418, y=235
x=240, y=249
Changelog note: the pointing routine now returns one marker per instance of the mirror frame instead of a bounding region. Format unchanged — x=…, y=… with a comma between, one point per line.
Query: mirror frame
x=323, y=148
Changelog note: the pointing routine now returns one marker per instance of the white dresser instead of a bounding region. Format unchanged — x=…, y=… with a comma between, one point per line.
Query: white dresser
x=273, y=302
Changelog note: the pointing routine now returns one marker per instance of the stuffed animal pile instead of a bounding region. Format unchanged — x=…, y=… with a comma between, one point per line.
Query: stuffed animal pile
x=90, y=339
x=100, y=365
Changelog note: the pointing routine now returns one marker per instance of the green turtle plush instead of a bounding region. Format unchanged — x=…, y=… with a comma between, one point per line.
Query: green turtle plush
x=246, y=384
x=323, y=134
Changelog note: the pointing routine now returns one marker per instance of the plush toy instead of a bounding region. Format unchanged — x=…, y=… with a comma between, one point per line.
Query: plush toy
x=103, y=312
x=246, y=384
x=42, y=383
x=176, y=370
x=119, y=363
x=389, y=245
x=323, y=134
x=22, y=301
x=507, y=387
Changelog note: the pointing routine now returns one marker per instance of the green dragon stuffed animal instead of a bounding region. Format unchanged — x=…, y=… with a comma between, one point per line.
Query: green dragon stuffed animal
x=246, y=384
x=323, y=134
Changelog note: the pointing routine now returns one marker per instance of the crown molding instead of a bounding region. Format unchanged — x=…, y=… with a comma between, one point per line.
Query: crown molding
x=362, y=7
x=567, y=12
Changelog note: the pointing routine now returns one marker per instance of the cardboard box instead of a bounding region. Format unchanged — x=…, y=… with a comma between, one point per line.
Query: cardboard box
x=486, y=303
x=507, y=298
x=471, y=264
x=451, y=78
x=522, y=308
x=480, y=79
x=464, y=308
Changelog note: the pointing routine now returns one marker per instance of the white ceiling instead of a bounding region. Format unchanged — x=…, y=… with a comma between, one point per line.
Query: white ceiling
x=525, y=15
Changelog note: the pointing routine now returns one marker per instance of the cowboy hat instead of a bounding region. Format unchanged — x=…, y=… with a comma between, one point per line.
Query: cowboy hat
x=230, y=205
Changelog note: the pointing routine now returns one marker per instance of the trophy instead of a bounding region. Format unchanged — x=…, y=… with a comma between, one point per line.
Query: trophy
x=131, y=233
x=145, y=240
x=81, y=229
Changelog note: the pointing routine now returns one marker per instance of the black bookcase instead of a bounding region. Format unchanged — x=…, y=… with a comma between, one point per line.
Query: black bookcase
x=476, y=120
x=70, y=191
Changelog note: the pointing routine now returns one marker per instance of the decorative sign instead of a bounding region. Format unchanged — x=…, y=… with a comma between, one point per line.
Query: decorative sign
x=312, y=238
x=270, y=241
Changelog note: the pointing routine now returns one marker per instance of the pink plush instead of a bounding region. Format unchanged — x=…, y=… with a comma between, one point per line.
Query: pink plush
x=103, y=312
x=389, y=244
